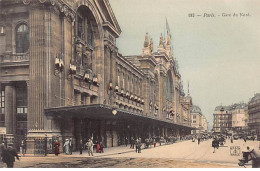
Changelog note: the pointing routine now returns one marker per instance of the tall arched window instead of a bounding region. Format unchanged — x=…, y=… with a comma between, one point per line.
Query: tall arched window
x=84, y=26
x=22, y=38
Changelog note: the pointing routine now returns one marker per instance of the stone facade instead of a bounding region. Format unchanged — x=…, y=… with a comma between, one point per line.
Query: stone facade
x=222, y=119
x=239, y=117
x=73, y=77
x=198, y=120
x=254, y=114
x=231, y=118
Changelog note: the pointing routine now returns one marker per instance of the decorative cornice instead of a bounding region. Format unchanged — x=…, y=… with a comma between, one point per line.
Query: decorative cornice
x=57, y=5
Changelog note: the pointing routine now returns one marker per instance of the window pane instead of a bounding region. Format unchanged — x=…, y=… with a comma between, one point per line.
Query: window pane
x=22, y=39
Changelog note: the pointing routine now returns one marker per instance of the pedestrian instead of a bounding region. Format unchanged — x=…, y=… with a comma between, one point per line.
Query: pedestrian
x=126, y=141
x=81, y=146
x=101, y=147
x=8, y=156
x=2, y=147
x=23, y=148
x=139, y=145
x=198, y=140
x=231, y=139
x=89, y=145
x=70, y=146
x=97, y=148
x=154, y=143
x=146, y=143
x=132, y=141
x=214, y=144
x=136, y=145
x=244, y=138
x=67, y=146
x=57, y=147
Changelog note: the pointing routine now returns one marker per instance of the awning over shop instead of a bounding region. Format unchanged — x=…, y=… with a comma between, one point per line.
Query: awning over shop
x=100, y=111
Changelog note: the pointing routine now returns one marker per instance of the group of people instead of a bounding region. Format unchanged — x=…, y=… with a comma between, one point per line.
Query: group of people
x=89, y=145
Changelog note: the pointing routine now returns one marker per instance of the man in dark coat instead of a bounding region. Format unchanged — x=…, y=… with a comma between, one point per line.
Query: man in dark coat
x=81, y=146
x=2, y=147
x=70, y=146
x=8, y=156
x=132, y=142
x=101, y=147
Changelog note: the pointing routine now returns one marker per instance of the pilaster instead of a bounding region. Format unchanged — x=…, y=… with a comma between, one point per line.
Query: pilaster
x=37, y=70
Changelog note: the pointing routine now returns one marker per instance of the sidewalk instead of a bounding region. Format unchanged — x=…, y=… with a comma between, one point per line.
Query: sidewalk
x=107, y=152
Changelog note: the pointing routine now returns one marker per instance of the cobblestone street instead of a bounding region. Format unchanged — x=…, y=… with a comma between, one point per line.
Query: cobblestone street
x=184, y=154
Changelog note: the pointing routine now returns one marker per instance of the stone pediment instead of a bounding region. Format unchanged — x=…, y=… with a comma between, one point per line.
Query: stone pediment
x=108, y=15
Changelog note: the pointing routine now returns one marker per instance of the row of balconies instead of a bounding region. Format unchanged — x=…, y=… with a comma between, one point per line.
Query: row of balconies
x=127, y=96
x=254, y=110
x=121, y=98
x=131, y=107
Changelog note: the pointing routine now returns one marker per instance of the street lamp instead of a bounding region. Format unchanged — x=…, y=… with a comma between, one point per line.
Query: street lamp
x=114, y=111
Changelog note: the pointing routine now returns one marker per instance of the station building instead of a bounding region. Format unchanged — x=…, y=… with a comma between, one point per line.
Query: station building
x=61, y=76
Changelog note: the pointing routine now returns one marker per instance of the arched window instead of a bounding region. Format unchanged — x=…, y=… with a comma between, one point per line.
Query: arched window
x=22, y=38
x=84, y=26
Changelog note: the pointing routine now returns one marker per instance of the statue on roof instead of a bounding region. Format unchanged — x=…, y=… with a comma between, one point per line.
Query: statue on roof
x=161, y=40
x=151, y=45
x=168, y=40
x=146, y=42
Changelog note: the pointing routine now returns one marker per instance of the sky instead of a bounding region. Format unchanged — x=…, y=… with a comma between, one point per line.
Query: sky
x=219, y=56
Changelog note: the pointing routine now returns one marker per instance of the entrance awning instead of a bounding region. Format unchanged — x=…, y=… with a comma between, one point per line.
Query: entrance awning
x=100, y=111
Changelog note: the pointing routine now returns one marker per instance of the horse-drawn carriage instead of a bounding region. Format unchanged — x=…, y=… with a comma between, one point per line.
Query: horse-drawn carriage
x=250, y=155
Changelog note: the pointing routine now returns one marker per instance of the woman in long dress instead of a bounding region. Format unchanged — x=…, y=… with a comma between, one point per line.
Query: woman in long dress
x=98, y=148
x=57, y=147
x=67, y=147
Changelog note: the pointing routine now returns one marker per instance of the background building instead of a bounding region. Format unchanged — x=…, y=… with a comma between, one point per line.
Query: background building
x=233, y=118
x=204, y=123
x=198, y=120
x=239, y=117
x=222, y=119
x=254, y=114
x=62, y=77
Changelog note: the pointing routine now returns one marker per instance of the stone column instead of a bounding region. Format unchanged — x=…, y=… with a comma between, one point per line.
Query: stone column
x=10, y=109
